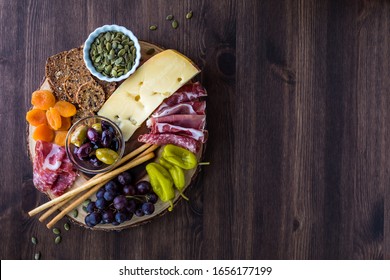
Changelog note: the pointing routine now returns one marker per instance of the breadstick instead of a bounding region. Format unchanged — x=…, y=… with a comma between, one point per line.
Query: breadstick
x=92, y=182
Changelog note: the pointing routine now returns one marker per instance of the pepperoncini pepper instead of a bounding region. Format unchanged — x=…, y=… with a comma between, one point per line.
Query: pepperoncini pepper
x=177, y=175
x=161, y=182
x=179, y=156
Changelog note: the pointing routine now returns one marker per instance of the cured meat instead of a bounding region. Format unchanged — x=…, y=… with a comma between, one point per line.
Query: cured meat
x=187, y=108
x=179, y=120
x=188, y=92
x=53, y=171
x=163, y=139
x=196, y=134
x=188, y=121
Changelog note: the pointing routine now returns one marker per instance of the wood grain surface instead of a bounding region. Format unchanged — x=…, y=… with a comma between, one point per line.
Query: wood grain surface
x=298, y=114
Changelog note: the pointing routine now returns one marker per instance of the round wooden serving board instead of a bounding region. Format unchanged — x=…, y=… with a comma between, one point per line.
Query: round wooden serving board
x=160, y=207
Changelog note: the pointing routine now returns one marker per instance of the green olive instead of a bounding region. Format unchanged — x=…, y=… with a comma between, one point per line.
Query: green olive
x=97, y=127
x=79, y=135
x=106, y=155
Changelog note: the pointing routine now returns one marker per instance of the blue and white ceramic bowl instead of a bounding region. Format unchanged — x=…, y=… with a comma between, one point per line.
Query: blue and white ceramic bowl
x=91, y=38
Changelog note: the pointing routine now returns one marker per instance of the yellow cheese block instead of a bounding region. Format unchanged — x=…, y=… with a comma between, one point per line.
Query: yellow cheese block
x=138, y=96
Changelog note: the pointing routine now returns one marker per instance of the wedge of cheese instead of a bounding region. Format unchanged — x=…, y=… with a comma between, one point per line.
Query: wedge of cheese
x=138, y=96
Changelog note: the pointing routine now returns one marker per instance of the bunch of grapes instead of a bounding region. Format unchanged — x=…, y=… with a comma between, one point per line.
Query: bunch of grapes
x=120, y=199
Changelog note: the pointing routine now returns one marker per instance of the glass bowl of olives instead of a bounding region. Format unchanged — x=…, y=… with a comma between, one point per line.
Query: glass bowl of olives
x=94, y=144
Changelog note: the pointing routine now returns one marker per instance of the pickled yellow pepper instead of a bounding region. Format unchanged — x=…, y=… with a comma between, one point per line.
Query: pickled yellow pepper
x=161, y=182
x=179, y=156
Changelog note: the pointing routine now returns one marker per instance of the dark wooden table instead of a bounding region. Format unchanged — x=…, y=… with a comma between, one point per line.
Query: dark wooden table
x=298, y=114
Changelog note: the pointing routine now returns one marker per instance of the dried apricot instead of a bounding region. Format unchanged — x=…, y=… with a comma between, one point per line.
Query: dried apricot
x=43, y=99
x=54, y=118
x=60, y=137
x=43, y=132
x=65, y=108
x=36, y=117
x=65, y=124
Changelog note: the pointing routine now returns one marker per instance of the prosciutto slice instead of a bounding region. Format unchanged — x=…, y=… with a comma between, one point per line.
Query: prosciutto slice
x=196, y=134
x=53, y=171
x=187, y=93
x=187, y=108
x=188, y=121
x=163, y=139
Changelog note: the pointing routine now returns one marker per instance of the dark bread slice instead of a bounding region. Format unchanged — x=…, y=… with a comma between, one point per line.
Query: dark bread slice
x=56, y=72
x=90, y=96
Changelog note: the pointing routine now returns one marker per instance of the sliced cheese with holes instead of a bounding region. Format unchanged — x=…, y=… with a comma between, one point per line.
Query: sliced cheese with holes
x=138, y=96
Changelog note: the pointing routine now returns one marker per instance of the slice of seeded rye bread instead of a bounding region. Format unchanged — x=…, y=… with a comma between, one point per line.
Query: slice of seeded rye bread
x=56, y=73
x=108, y=87
x=90, y=96
x=78, y=73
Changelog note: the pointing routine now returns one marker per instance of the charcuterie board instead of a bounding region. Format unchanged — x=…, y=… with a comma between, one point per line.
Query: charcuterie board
x=148, y=50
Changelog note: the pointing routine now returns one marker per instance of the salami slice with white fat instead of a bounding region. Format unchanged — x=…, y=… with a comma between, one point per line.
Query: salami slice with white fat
x=53, y=171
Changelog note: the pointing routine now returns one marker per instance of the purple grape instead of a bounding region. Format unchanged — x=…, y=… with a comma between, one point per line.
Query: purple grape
x=108, y=216
x=129, y=190
x=92, y=135
x=131, y=205
x=91, y=207
x=147, y=208
x=111, y=186
x=128, y=214
x=100, y=192
x=84, y=151
x=100, y=203
x=143, y=187
x=115, y=223
x=109, y=195
x=93, y=219
x=125, y=178
x=120, y=217
x=151, y=197
x=120, y=202
x=139, y=212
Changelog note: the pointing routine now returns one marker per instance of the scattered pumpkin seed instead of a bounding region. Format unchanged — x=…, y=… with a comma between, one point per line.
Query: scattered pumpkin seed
x=34, y=240
x=37, y=256
x=175, y=24
x=66, y=226
x=75, y=213
x=56, y=231
x=189, y=15
x=169, y=17
x=86, y=202
x=150, y=51
x=57, y=239
x=153, y=27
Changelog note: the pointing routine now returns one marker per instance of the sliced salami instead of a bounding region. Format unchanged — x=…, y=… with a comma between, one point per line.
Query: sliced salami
x=53, y=171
